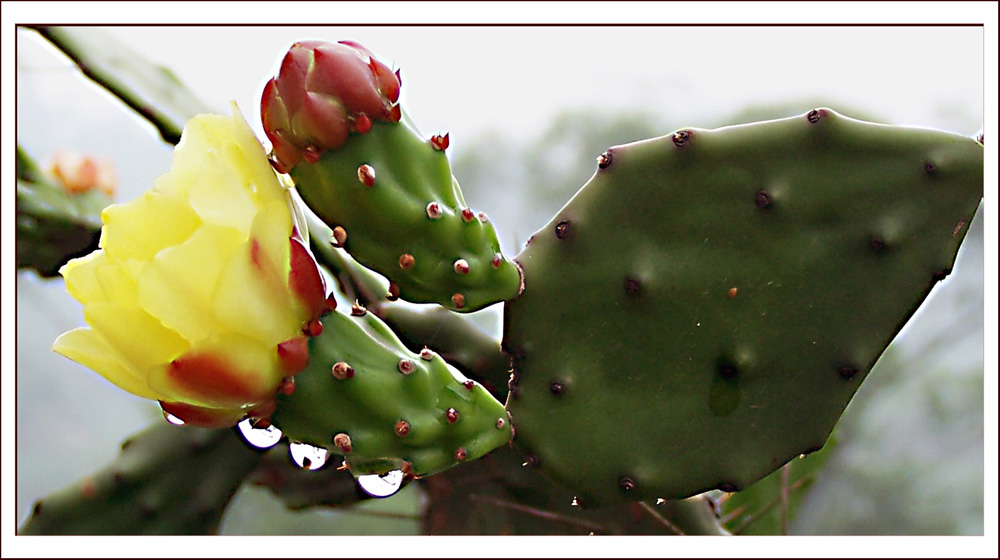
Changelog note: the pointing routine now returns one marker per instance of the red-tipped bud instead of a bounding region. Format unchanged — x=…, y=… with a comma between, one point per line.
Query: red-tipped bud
x=323, y=92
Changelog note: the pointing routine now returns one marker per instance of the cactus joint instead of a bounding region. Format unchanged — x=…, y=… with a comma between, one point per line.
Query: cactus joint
x=406, y=367
x=362, y=123
x=426, y=354
x=468, y=216
x=451, y=415
x=557, y=388
x=461, y=266
x=562, y=229
x=763, y=200
x=342, y=371
x=458, y=300
x=339, y=236
x=626, y=483
x=604, y=160
x=401, y=428
x=313, y=328
x=406, y=261
x=847, y=372
x=726, y=370
x=632, y=285
x=815, y=115
x=434, y=210
x=681, y=137
x=358, y=310
x=366, y=174
x=439, y=142
x=343, y=442
x=393, y=293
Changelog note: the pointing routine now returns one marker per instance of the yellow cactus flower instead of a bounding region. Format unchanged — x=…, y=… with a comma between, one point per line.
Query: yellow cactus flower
x=203, y=294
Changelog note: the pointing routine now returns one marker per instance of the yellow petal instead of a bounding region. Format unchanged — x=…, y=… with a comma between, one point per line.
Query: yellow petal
x=117, y=283
x=223, y=197
x=228, y=370
x=250, y=298
x=145, y=226
x=141, y=340
x=272, y=228
x=177, y=286
x=86, y=347
x=81, y=278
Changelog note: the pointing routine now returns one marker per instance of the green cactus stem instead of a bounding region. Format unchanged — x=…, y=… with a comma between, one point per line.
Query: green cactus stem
x=717, y=296
x=152, y=91
x=368, y=398
x=386, y=191
x=167, y=480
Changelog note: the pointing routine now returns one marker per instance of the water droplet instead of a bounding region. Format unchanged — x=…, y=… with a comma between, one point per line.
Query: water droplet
x=381, y=486
x=172, y=419
x=259, y=437
x=307, y=456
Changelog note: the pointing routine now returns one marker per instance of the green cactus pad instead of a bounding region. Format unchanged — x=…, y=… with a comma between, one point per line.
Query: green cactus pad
x=392, y=193
x=716, y=297
x=366, y=397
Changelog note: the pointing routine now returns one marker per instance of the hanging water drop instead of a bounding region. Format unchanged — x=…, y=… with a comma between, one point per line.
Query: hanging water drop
x=381, y=486
x=172, y=419
x=259, y=437
x=307, y=456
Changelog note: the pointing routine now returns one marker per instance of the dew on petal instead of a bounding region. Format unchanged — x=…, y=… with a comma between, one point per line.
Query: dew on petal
x=172, y=419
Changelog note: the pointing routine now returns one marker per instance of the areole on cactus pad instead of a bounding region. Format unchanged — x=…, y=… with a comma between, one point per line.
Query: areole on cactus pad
x=387, y=192
x=705, y=307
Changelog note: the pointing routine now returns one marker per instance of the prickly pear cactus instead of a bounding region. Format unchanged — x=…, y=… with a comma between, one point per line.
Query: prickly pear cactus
x=54, y=225
x=387, y=192
x=366, y=397
x=166, y=481
x=715, y=297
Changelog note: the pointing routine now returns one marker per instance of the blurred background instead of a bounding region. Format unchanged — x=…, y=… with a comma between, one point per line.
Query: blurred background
x=528, y=110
